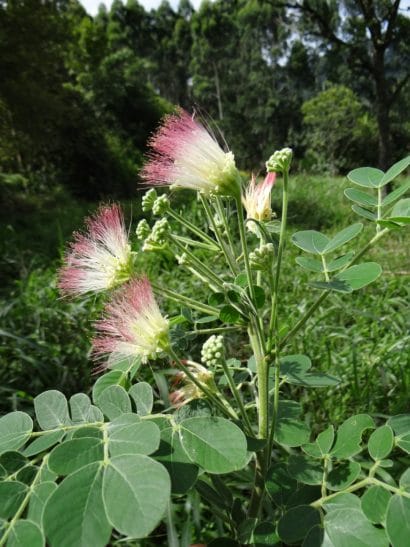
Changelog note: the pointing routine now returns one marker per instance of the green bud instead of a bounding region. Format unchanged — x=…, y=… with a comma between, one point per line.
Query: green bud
x=143, y=230
x=213, y=351
x=161, y=205
x=148, y=200
x=280, y=161
x=160, y=231
x=262, y=257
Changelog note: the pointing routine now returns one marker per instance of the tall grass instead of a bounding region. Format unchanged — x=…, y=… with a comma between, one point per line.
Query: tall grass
x=363, y=338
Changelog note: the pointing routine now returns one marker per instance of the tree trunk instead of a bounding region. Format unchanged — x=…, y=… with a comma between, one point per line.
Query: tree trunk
x=382, y=111
x=218, y=93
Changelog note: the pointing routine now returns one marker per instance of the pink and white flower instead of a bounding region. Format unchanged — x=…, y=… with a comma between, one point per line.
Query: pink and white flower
x=133, y=325
x=100, y=258
x=257, y=200
x=184, y=155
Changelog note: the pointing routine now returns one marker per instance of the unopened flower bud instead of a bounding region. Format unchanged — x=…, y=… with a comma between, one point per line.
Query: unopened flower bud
x=148, y=200
x=160, y=231
x=161, y=205
x=261, y=258
x=280, y=161
x=213, y=351
x=143, y=230
x=257, y=201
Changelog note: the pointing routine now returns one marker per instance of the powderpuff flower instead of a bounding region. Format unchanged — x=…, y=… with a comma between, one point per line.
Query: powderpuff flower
x=184, y=155
x=133, y=325
x=190, y=391
x=99, y=259
x=257, y=200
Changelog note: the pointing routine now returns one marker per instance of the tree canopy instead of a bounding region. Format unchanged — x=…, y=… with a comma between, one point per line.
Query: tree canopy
x=80, y=95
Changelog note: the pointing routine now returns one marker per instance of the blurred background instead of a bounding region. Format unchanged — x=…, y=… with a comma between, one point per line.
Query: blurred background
x=82, y=87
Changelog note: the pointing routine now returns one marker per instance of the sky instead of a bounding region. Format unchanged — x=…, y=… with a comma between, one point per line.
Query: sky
x=92, y=5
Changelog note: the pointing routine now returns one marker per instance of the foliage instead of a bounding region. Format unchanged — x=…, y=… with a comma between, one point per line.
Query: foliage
x=119, y=463
x=351, y=134
x=34, y=326
x=79, y=95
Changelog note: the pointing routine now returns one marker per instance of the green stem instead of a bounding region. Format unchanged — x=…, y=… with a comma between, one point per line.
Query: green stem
x=324, y=294
x=323, y=490
x=275, y=410
x=106, y=459
x=194, y=229
x=229, y=412
x=325, y=267
x=242, y=234
x=273, y=341
x=258, y=491
x=282, y=234
x=379, y=208
x=191, y=303
x=200, y=266
x=216, y=329
x=66, y=428
x=228, y=233
x=9, y=526
x=228, y=257
x=357, y=486
x=237, y=397
x=263, y=391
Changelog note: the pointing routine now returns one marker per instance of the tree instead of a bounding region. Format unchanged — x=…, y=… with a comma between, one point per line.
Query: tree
x=340, y=132
x=369, y=33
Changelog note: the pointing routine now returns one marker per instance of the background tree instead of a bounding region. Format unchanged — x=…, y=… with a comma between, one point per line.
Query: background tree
x=370, y=35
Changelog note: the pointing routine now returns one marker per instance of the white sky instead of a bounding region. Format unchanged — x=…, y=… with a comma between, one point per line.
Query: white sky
x=92, y=5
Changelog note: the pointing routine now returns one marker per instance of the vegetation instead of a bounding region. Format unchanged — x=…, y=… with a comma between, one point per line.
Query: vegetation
x=79, y=95
x=253, y=388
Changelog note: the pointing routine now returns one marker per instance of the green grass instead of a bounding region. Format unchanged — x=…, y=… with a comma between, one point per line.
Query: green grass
x=363, y=337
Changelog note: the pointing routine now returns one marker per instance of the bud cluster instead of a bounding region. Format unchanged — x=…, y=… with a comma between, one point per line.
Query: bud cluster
x=161, y=205
x=262, y=257
x=213, y=351
x=158, y=236
x=148, y=200
x=280, y=161
x=143, y=229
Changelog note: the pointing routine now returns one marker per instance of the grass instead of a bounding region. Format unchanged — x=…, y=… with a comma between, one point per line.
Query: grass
x=363, y=337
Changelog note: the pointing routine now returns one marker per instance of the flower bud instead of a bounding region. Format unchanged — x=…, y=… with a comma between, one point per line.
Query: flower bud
x=261, y=258
x=213, y=351
x=148, y=200
x=160, y=231
x=280, y=161
x=143, y=229
x=161, y=204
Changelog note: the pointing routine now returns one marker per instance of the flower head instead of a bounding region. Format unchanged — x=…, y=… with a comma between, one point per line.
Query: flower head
x=185, y=155
x=133, y=325
x=190, y=391
x=257, y=200
x=99, y=259
x=280, y=161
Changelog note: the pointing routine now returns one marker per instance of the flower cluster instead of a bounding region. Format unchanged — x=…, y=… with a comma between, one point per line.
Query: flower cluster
x=184, y=155
x=99, y=259
x=133, y=325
